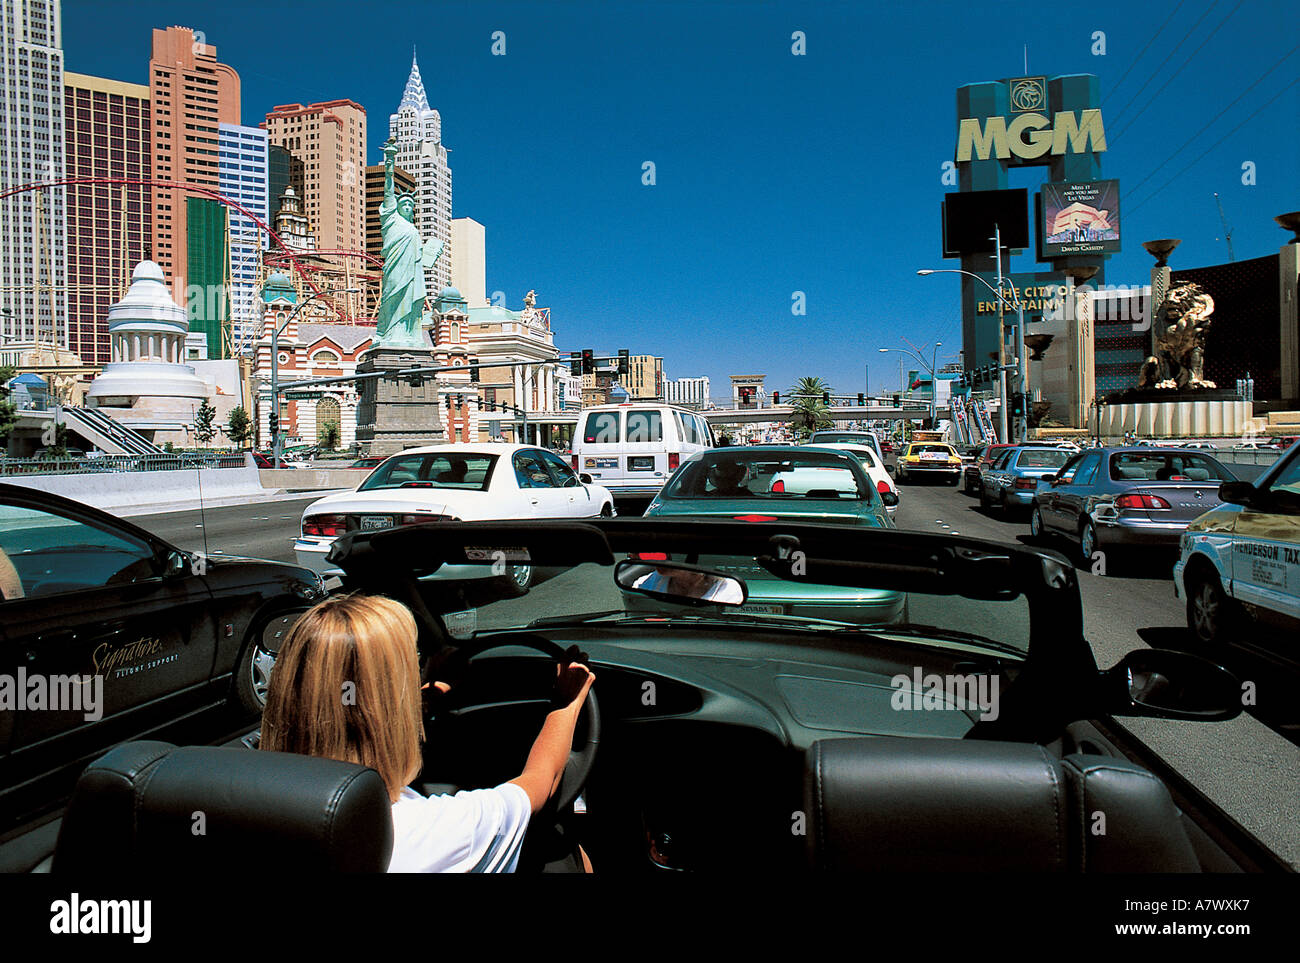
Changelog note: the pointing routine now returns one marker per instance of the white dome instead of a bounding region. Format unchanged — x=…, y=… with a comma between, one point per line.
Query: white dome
x=147, y=304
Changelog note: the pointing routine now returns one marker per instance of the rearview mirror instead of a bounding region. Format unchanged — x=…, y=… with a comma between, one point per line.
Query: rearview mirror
x=671, y=582
x=1172, y=685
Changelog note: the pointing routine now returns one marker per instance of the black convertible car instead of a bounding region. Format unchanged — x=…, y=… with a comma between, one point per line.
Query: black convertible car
x=110, y=633
x=976, y=735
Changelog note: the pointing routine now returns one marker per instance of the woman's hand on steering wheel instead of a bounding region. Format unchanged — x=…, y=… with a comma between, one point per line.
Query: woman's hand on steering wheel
x=572, y=679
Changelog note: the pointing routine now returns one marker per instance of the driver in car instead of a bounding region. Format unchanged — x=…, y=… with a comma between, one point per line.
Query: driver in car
x=727, y=479
x=347, y=686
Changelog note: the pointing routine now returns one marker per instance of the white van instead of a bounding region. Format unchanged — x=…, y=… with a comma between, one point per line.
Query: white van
x=634, y=447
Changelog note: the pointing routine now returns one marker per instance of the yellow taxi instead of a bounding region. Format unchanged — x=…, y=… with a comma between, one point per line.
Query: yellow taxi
x=929, y=459
x=1239, y=566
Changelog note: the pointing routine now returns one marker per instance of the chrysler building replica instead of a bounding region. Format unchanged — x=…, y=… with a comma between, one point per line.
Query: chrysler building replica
x=416, y=128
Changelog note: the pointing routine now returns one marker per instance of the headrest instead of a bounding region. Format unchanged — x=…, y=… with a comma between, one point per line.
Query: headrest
x=950, y=805
x=151, y=806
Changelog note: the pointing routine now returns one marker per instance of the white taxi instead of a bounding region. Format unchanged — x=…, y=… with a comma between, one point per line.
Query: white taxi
x=1239, y=567
x=456, y=482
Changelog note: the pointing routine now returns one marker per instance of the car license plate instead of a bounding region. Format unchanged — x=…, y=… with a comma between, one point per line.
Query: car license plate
x=643, y=463
x=760, y=608
x=600, y=462
x=461, y=625
x=372, y=523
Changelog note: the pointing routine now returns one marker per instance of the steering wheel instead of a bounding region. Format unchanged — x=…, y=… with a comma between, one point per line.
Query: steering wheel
x=578, y=768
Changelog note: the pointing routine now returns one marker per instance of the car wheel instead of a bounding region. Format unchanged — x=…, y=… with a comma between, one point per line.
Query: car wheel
x=1087, y=541
x=253, y=674
x=1036, y=524
x=984, y=499
x=607, y=510
x=1209, y=610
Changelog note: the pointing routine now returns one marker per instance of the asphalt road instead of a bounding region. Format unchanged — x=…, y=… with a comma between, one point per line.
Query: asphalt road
x=1250, y=766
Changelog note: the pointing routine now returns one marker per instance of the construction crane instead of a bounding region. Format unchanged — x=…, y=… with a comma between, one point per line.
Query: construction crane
x=1227, y=231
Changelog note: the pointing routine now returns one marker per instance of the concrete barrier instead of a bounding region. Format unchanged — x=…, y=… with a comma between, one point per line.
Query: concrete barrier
x=124, y=489
x=311, y=479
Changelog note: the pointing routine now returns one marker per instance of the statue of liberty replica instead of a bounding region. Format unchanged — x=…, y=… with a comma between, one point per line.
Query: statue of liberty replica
x=393, y=414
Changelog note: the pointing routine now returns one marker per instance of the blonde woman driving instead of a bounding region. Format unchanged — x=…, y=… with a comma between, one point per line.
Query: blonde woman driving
x=346, y=686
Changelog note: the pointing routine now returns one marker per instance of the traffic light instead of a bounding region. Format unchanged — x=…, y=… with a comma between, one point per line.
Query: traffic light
x=776, y=397
x=624, y=362
x=862, y=399
x=473, y=375
x=588, y=361
x=826, y=398
x=1017, y=405
x=273, y=423
x=575, y=363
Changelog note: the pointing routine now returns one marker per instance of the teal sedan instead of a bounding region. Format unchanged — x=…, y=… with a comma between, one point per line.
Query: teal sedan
x=766, y=484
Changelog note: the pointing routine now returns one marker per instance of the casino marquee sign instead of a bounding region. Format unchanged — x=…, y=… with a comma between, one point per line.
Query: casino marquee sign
x=1028, y=134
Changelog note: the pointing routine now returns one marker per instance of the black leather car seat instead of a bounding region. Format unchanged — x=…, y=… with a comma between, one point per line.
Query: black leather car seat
x=150, y=805
x=948, y=805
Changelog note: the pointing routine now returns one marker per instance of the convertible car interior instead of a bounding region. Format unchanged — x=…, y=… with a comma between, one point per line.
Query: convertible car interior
x=718, y=739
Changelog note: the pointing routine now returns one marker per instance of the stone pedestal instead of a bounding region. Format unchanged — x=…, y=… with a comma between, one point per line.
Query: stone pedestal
x=394, y=414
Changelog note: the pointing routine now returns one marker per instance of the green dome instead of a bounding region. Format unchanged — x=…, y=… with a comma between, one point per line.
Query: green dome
x=449, y=293
x=278, y=286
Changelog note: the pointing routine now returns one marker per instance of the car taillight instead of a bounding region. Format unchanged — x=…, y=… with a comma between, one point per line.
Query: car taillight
x=754, y=518
x=1140, y=501
x=778, y=486
x=883, y=487
x=651, y=557
x=424, y=517
x=325, y=526
x=674, y=460
x=1026, y=483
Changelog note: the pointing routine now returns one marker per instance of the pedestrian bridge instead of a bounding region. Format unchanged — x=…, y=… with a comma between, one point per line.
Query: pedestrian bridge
x=735, y=416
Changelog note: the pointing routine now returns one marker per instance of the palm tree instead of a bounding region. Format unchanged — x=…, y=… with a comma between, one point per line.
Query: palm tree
x=809, y=412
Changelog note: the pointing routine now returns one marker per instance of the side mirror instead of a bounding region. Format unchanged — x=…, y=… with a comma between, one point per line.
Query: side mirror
x=585, y=478
x=889, y=498
x=1171, y=685
x=1238, y=493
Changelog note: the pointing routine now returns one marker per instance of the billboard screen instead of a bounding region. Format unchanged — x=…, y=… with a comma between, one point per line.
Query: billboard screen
x=969, y=217
x=1080, y=219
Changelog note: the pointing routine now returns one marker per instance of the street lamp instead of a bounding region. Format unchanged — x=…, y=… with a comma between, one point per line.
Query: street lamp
x=921, y=361
x=1022, y=377
x=275, y=365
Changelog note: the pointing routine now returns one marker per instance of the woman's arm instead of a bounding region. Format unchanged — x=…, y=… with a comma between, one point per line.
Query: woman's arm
x=550, y=752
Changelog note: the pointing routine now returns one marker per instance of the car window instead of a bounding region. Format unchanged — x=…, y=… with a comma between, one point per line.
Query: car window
x=530, y=471
x=1042, y=458
x=728, y=473
x=601, y=428
x=1069, y=470
x=561, y=473
x=644, y=426
x=701, y=431
x=1166, y=466
x=462, y=470
x=42, y=553
x=1288, y=479
x=1001, y=458
x=1086, y=469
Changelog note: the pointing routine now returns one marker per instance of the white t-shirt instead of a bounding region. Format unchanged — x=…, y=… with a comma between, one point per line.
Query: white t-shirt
x=474, y=831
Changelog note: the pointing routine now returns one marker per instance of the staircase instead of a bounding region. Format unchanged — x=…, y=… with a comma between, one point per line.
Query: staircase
x=104, y=433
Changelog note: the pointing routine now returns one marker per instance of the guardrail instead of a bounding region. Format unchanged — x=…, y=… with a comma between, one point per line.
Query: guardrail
x=117, y=463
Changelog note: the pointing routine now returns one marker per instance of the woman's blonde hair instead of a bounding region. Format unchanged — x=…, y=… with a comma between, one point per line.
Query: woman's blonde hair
x=346, y=686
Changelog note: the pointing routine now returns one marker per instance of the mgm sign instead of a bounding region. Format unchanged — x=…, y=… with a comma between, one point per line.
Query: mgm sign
x=1051, y=122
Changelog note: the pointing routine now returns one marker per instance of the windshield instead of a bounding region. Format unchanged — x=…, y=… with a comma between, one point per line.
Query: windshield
x=733, y=473
x=838, y=437
x=466, y=471
x=588, y=592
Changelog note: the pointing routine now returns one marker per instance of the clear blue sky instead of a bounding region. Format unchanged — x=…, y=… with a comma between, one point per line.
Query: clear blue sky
x=775, y=173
